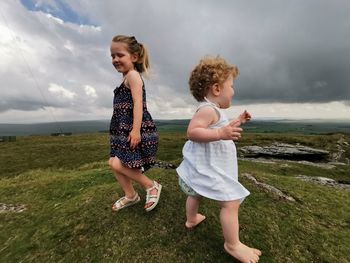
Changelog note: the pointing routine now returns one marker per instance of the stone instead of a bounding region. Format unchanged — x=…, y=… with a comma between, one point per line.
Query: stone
x=285, y=151
x=268, y=188
x=12, y=208
x=164, y=165
x=324, y=181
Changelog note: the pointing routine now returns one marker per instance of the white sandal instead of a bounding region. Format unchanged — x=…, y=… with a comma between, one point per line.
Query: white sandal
x=125, y=202
x=153, y=198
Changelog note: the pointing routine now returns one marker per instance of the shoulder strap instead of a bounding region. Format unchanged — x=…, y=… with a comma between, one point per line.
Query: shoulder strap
x=209, y=104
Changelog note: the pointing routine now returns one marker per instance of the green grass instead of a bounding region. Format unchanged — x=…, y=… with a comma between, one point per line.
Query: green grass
x=66, y=152
x=68, y=190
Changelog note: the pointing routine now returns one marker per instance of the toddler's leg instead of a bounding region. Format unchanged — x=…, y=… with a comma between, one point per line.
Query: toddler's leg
x=193, y=217
x=230, y=229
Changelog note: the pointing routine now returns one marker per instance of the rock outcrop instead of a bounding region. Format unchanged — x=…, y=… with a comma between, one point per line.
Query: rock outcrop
x=268, y=188
x=341, y=146
x=285, y=151
x=325, y=181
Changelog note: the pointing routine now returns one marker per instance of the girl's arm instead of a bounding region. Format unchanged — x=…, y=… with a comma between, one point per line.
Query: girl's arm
x=134, y=82
x=198, y=128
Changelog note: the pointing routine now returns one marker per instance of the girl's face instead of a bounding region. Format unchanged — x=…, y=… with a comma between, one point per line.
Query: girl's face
x=122, y=60
x=226, y=93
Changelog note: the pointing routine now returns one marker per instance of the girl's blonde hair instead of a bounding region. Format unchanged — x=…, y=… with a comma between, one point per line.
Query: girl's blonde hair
x=209, y=71
x=134, y=47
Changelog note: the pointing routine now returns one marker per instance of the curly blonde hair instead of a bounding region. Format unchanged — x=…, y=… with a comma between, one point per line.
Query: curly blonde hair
x=209, y=71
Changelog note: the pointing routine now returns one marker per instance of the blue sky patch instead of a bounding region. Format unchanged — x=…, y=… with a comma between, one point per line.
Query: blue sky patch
x=58, y=9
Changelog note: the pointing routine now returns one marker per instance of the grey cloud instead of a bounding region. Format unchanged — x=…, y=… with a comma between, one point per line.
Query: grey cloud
x=295, y=51
x=21, y=104
x=283, y=49
x=347, y=103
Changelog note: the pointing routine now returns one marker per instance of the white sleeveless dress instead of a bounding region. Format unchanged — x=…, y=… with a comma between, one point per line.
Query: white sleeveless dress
x=211, y=168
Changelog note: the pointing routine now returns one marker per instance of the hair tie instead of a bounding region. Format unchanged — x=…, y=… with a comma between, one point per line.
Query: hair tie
x=133, y=40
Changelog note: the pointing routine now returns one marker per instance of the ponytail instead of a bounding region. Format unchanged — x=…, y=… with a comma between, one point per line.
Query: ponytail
x=143, y=61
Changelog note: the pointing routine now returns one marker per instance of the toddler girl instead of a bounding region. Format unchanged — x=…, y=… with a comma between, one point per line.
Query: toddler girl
x=209, y=166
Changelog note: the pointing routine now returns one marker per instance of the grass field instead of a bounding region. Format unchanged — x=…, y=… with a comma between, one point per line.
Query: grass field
x=68, y=191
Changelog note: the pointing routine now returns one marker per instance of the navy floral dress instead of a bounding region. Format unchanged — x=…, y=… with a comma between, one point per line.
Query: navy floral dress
x=144, y=155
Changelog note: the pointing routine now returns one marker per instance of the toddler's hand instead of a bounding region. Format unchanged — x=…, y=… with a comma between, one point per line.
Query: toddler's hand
x=244, y=117
x=134, y=138
x=230, y=131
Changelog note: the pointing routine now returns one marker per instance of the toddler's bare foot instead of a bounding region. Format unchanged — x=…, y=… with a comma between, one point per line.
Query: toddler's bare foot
x=192, y=224
x=243, y=253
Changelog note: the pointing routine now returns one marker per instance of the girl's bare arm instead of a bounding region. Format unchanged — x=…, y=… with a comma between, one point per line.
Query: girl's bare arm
x=199, y=131
x=134, y=82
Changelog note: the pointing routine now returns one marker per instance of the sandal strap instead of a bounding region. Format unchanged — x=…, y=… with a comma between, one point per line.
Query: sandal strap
x=152, y=198
x=155, y=186
x=119, y=203
x=132, y=199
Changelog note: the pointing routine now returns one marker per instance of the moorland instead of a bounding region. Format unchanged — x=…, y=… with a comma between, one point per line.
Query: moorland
x=56, y=195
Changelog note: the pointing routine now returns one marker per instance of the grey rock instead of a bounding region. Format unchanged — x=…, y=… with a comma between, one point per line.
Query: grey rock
x=285, y=151
x=268, y=188
x=4, y=208
x=324, y=181
x=164, y=165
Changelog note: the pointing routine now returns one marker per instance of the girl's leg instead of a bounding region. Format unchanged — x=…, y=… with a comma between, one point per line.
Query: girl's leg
x=230, y=229
x=193, y=218
x=124, y=181
x=133, y=175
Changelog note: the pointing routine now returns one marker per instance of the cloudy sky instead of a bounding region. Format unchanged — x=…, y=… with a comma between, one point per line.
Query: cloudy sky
x=293, y=56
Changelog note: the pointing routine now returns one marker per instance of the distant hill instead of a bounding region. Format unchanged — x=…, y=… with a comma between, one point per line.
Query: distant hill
x=265, y=126
x=54, y=127
x=298, y=126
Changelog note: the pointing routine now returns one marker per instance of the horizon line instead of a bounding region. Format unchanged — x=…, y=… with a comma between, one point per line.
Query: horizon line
x=186, y=119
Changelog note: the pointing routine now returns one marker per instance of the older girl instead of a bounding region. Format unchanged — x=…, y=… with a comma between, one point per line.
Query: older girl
x=133, y=134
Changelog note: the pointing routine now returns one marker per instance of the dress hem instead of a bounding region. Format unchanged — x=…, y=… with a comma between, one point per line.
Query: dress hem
x=241, y=198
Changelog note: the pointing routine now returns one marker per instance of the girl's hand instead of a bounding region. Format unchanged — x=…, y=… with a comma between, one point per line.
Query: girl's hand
x=230, y=131
x=244, y=117
x=134, y=138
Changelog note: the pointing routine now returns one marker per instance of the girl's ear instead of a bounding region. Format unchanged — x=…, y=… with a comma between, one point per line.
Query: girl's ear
x=215, y=89
x=134, y=58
